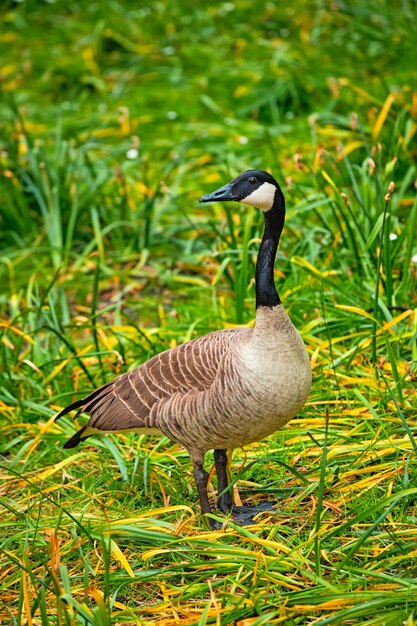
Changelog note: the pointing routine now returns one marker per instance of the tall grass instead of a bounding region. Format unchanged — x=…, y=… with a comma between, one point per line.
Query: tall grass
x=108, y=140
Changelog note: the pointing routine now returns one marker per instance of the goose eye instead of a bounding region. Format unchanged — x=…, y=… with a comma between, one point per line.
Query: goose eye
x=253, y=180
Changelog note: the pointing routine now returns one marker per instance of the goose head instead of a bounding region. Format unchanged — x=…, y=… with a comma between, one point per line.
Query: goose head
x=254, y=187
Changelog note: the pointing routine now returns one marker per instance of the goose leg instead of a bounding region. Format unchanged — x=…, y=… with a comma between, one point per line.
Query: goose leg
x=224, y=502
x=201, y=480
x=241, y=514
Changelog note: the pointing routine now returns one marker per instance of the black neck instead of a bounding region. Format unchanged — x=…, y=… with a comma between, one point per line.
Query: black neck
x=266, y=293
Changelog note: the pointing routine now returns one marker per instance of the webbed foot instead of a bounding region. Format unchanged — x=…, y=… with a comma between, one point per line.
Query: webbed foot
x=244, y=515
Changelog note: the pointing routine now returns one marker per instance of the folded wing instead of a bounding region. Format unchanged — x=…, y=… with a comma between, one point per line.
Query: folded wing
x=126, y=402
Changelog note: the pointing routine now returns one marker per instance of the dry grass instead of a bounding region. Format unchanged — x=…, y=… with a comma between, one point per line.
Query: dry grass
x=107, y=259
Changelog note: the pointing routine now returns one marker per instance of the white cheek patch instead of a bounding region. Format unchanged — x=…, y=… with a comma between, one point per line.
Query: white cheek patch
x=262, y=198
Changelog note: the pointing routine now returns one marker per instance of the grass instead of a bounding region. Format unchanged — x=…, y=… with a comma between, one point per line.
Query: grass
x=116, y=118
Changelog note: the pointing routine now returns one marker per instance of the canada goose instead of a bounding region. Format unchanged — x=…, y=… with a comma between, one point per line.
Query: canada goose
x=226, y=389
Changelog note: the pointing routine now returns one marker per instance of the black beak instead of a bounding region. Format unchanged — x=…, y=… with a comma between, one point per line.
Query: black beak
x=220, y=195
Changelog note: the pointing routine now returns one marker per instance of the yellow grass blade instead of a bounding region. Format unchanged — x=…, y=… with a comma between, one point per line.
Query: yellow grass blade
x=119, y=556
x=352, y=146
x=355, y=309
x=382, y=116
x=398, y=319
x=301, y=262
x=17, y=331
x=26, y=600
x=330, y=181
x=63, y=363
x=152, y=513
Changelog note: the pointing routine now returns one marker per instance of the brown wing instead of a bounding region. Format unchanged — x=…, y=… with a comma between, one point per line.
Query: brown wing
x=126, y=402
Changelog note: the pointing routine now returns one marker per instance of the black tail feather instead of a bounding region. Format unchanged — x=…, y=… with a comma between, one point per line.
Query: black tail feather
x=80, y=403
x=75, y=439
x=71, y=407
